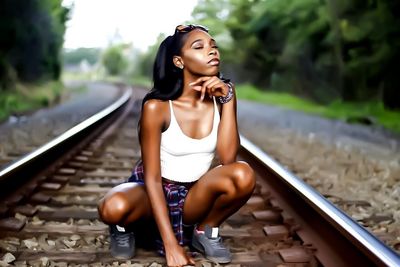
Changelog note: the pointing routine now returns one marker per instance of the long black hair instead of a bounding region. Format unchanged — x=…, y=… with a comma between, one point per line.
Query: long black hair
x=168, y=78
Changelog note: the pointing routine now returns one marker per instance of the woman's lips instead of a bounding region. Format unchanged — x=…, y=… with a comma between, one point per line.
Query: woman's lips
x=214, y=62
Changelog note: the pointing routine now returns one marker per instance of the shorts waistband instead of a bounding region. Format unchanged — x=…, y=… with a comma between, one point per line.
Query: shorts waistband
x=186, y=184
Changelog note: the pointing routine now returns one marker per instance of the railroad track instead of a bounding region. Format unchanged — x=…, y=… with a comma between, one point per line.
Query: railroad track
x=49, y=215
x=21, y=135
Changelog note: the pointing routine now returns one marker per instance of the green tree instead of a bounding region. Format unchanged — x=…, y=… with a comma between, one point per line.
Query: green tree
x=31, y=37
x=221, y=17
x=319, y=49
x=114, y=61
x=371, y=40
x=75, y=56
x=145, y=61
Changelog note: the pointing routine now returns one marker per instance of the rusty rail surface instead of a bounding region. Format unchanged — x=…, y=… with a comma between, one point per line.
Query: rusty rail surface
x=53, y=216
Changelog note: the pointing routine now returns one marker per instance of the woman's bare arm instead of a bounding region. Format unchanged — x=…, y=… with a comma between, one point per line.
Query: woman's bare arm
x=228, y=135
x=151, y=125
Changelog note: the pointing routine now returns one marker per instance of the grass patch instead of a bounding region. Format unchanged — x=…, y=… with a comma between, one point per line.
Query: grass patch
x=26, y=98
x=79, y=76
x=371, y=112
x=141, y=81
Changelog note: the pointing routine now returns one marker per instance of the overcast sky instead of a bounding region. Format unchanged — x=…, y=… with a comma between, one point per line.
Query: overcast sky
x=95, y=22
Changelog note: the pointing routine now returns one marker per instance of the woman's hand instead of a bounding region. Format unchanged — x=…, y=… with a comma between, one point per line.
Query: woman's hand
x=176, y=256
x=211, y=85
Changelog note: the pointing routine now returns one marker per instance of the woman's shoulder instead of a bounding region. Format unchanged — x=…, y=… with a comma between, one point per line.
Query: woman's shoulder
x=156, y=112
x=155, y=106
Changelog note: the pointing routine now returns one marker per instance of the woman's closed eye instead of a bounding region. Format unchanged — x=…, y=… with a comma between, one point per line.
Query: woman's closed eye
x=201, y=47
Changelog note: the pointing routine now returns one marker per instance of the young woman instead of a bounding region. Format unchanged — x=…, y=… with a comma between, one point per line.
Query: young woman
x=188, y=116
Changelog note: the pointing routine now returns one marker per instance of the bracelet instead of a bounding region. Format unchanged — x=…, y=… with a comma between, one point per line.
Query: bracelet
x=228, y=97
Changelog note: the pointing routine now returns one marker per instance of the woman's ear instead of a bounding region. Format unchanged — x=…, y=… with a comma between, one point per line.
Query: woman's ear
x=178, y=62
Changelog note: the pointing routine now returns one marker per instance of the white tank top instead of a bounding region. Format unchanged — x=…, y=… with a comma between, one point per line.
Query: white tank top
x=186, y=159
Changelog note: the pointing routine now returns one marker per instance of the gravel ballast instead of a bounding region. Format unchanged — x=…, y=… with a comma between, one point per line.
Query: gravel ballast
x=354, y=166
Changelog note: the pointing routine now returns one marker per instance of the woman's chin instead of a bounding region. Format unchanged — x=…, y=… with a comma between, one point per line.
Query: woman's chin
x=212, y=72
x=207, y=72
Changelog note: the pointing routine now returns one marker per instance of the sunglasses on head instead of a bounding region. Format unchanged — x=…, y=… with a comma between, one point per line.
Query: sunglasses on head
x=190, y=27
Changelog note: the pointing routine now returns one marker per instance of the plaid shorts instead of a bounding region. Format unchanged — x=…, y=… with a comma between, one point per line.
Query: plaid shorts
x=175, y=195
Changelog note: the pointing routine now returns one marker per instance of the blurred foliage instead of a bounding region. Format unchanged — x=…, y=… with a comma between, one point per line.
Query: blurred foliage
x=321, y=50
x=31, y=38
x=370, y=112
x=114, y=60
x=27, y=97
x=143, y=67
x=76, y=56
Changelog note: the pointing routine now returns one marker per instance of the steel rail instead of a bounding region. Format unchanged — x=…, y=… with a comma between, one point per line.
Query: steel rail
x=376, y=250
x=13, y=174
x=373, y=248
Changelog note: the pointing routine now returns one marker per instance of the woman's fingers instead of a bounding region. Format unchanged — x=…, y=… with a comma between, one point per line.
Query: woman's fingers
x=200, y=81
x=206, y=87
x=177, y=256
x=198, y=85
x=215, y=87
x=201, y=89
x=212, y=86
x=203, y=92
x=191, y=261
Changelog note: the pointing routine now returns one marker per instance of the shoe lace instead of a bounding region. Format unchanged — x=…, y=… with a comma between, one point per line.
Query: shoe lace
x=122, y=239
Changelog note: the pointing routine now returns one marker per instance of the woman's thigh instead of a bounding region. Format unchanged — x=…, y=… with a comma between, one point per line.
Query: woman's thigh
x=224, y=179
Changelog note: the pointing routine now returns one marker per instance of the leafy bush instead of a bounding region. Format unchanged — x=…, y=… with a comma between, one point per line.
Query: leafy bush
x=114, y=61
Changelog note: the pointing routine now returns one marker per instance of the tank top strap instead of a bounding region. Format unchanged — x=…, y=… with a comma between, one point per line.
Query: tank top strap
x=171, y=112
x=216, y=111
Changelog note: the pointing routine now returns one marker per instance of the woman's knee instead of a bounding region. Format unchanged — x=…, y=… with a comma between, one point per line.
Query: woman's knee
x=113, y=208
x=244, y=177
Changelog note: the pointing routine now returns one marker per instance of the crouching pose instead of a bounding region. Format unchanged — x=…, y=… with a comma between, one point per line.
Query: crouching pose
x=187, y=118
